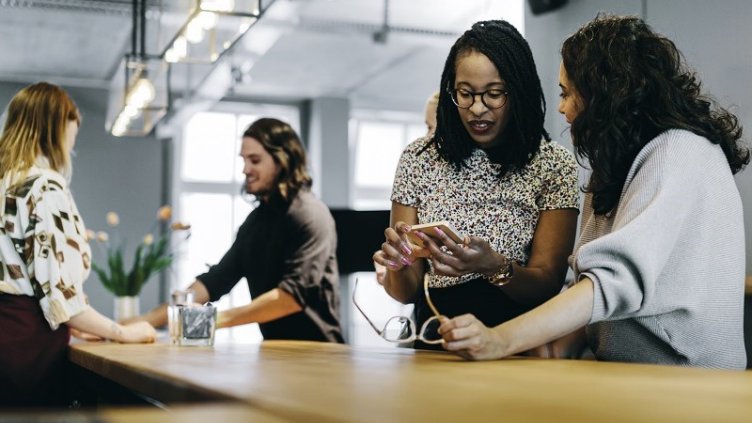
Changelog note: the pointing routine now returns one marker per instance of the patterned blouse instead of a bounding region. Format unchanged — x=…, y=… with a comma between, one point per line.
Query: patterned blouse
x=43, y=248
x=476, y=202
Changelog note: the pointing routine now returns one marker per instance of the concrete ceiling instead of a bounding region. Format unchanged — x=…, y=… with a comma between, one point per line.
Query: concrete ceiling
x=299, y=49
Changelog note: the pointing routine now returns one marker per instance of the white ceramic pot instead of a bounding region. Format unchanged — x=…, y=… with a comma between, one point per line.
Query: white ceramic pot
x=126, y=307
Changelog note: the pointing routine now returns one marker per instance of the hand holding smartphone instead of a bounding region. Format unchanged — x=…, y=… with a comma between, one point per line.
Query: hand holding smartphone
x=428, y=229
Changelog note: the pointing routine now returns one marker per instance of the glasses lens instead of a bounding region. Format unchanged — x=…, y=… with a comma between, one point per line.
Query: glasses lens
x=494, y=99
x=431, y=330
x=398, y=329
x=462, y=98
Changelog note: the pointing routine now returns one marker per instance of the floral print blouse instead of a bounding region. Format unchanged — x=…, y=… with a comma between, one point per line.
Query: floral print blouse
x=503, y=211
x=43, y=248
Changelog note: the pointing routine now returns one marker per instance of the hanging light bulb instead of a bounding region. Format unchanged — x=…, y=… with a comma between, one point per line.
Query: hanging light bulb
x=146, y=90
x=194, y=31
x=130, y=111
x=120, y=126
x=181, y=47
x=141, y=94
x=170, y=56
x=208, y=20
x=178, y=51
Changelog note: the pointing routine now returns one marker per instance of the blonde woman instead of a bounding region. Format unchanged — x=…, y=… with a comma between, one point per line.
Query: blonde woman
x=44, y=255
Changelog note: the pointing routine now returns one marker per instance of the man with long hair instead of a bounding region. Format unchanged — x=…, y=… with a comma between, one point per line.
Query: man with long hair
x=286, y=248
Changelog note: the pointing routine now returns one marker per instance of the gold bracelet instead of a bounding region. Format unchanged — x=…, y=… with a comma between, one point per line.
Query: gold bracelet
x=502, y=276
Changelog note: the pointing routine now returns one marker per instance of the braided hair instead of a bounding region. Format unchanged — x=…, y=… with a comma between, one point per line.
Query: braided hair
x=518, y=142
x=634, y=85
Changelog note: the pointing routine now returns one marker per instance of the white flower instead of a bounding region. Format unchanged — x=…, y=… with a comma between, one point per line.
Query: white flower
x=102, y=236
x=148, y=239
x=113, y=219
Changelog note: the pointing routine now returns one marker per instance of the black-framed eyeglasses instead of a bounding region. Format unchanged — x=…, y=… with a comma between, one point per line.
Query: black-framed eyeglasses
x=493, y=99
x=402, y=329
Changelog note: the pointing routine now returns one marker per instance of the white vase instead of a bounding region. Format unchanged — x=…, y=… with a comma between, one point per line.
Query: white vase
x=126, y=307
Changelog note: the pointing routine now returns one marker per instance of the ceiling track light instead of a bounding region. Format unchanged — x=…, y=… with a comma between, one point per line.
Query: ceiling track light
x=212, y=28
x=139, y=92
x=140, y=88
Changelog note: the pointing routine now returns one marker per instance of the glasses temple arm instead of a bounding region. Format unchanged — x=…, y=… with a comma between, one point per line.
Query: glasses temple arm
x=380, y=332
x=428, y=298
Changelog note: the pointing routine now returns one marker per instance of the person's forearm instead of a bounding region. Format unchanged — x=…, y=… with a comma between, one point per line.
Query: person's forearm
x=156, y=316
x=543, y=275
x=400, y=285
x=403, y=284
x=271, y=305
x=533, y=286
x=91, y=321
x=558, y=317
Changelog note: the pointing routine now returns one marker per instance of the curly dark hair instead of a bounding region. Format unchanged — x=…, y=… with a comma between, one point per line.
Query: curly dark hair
x=283, y=144
x=633, y=84
x=509, y=52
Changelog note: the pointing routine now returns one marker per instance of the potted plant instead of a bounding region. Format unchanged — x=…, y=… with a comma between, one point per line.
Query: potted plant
x=151, y=256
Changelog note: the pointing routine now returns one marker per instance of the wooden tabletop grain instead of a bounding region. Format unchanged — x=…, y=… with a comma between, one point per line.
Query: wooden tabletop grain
x=309, y=381
x=205, y=413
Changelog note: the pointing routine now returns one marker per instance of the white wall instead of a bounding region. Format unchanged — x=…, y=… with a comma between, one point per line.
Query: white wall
x=545, y=34
x=118, y=174
x=327, y=144
x=712, y=35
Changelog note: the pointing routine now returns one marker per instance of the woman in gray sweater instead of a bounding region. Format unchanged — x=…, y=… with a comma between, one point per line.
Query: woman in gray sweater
x=660, y=262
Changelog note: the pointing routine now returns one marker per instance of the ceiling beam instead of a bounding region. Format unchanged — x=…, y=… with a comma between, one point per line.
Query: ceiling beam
x=30, y=78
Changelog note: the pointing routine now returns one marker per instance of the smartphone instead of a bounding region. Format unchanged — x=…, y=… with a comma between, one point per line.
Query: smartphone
x=428, y=229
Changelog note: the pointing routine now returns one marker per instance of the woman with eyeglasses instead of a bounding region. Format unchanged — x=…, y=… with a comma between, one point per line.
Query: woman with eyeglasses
x=660, y=262
x=493, y=173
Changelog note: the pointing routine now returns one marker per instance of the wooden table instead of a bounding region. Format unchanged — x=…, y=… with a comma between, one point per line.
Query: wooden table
x=210, y=413
x=307, y=381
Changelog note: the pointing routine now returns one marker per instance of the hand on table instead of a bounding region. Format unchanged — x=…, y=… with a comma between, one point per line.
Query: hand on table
x=469, y=338
x=138, y=332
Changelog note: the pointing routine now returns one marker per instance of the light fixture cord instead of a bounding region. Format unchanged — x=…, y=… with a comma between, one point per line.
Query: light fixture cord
x=143, y=29
x=134, y=18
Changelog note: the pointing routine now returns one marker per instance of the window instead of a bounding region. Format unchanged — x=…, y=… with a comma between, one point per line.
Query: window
x=209, y=174
x=377, y=140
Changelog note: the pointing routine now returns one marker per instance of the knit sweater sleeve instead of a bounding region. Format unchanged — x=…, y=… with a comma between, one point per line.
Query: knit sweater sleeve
x=627, y=262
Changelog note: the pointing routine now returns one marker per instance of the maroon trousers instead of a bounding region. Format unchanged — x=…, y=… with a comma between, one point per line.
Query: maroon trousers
x=33, y=360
